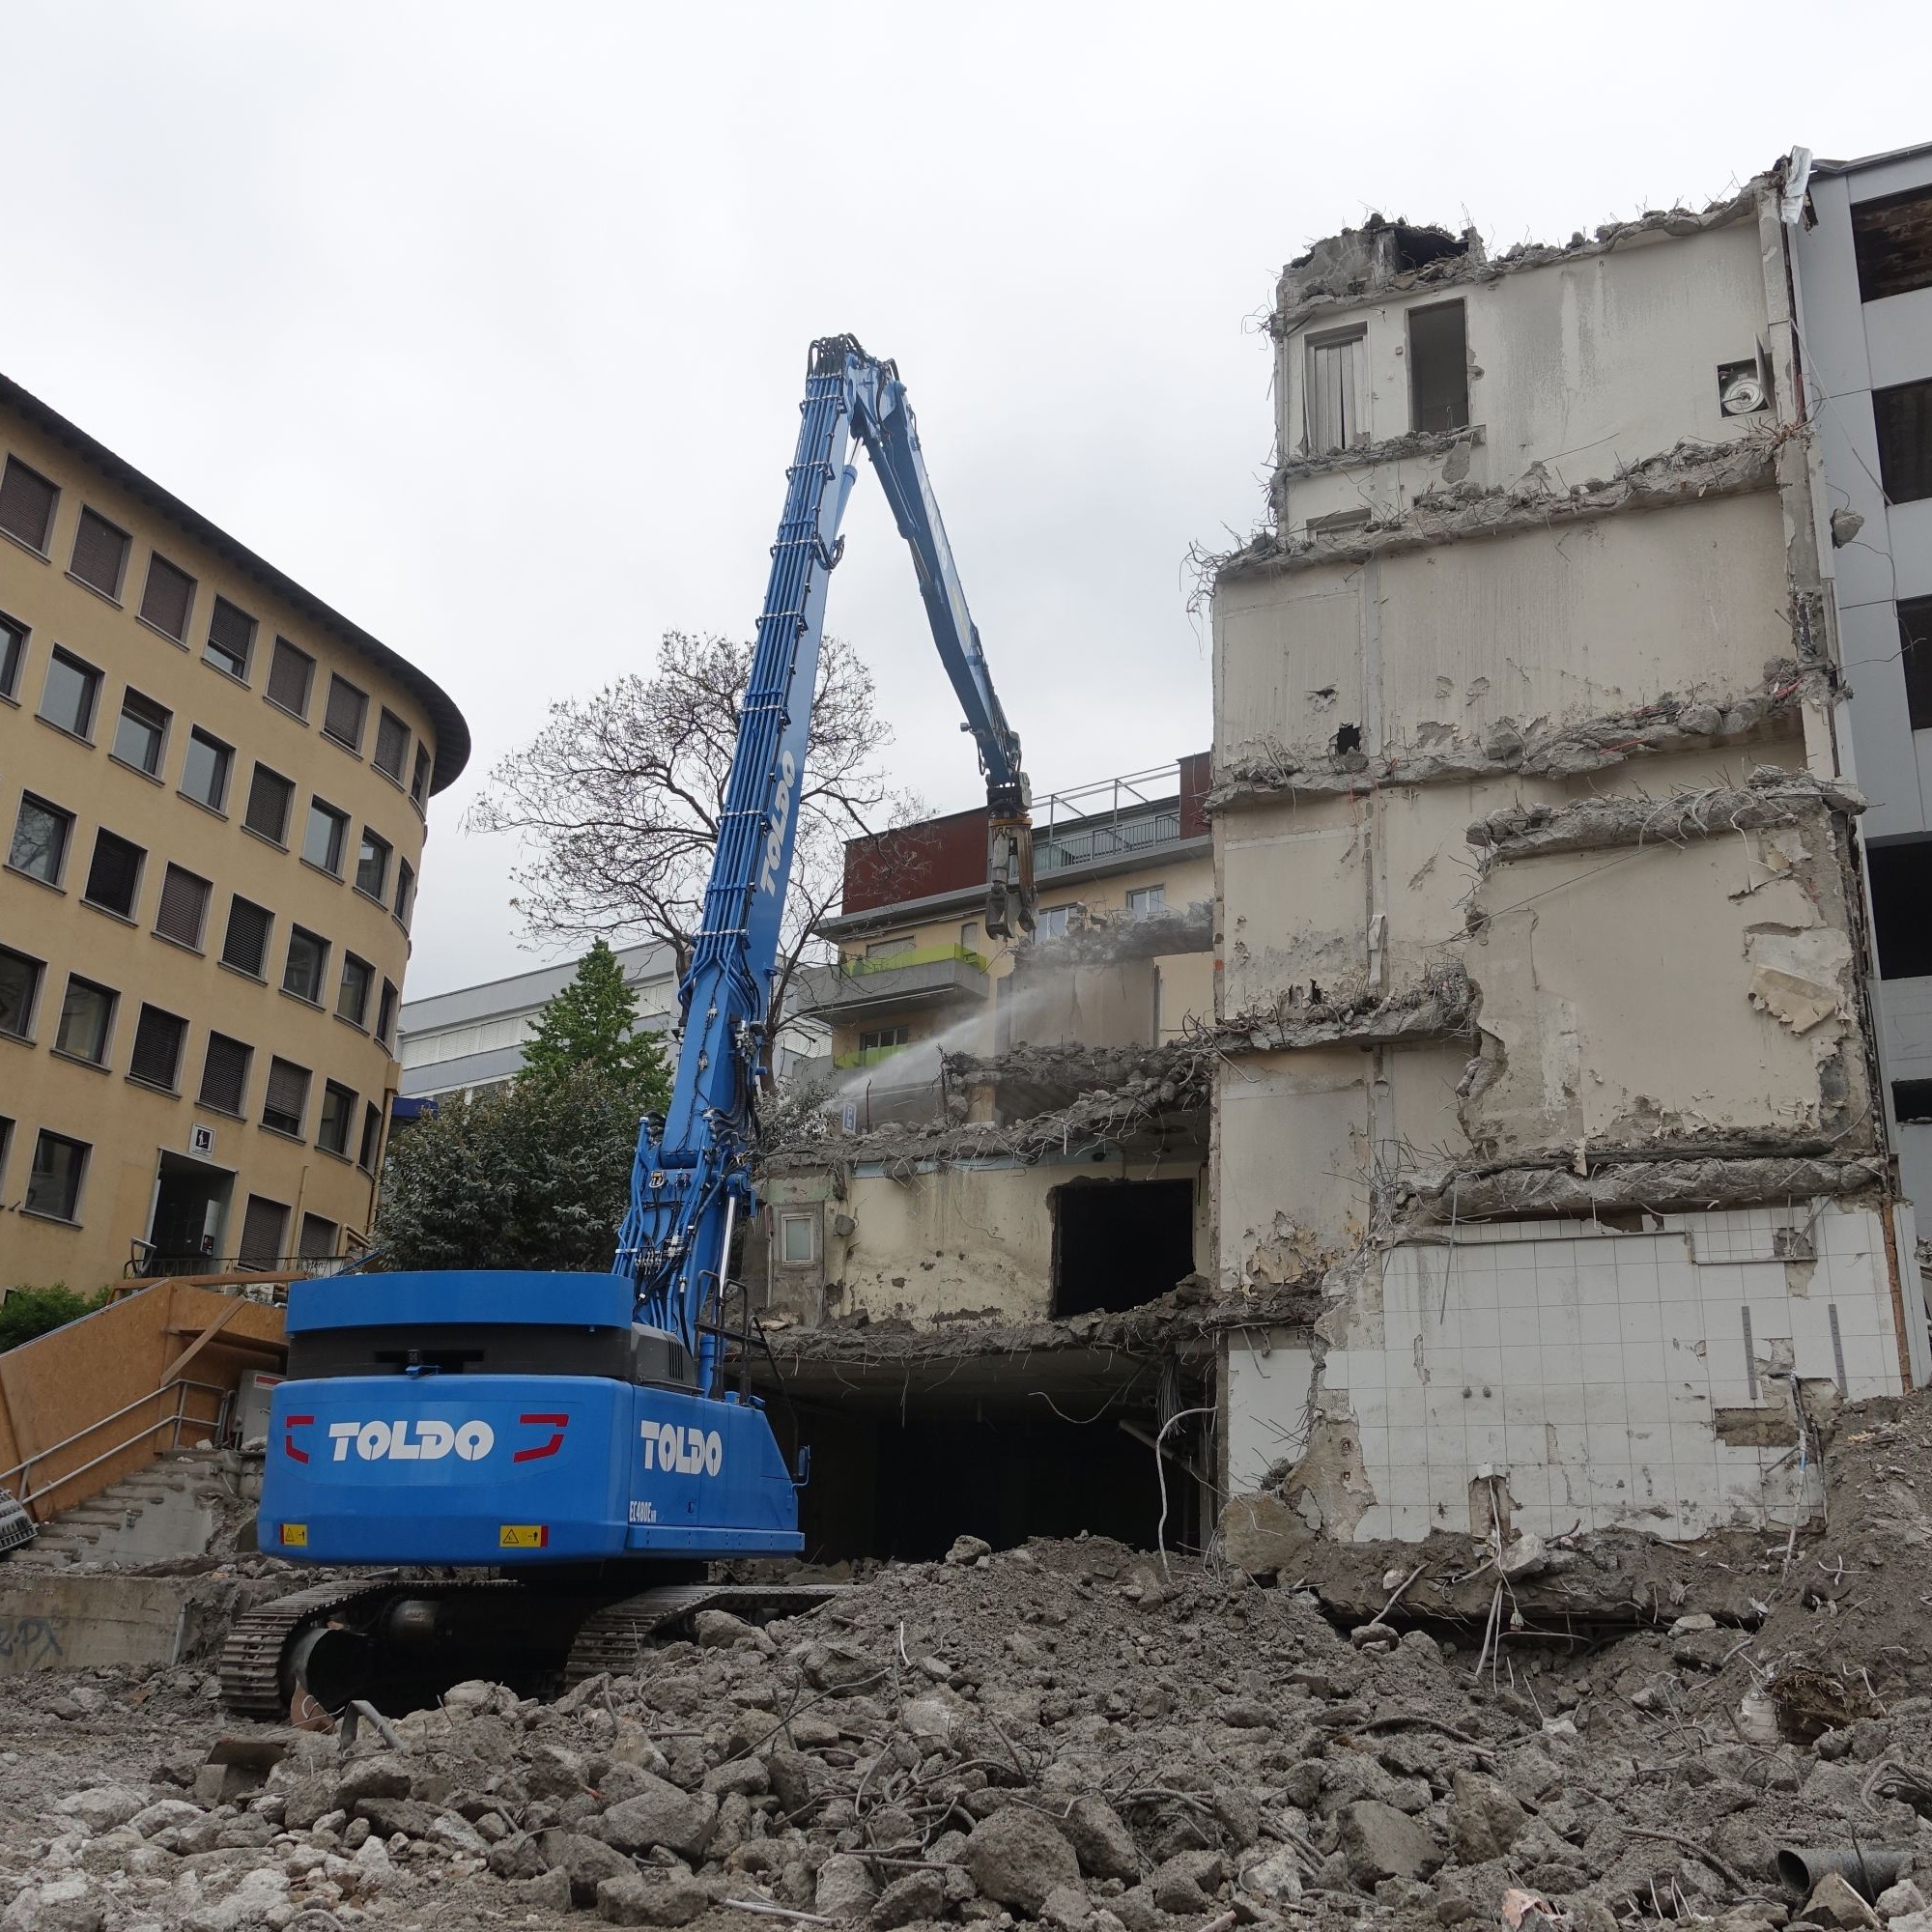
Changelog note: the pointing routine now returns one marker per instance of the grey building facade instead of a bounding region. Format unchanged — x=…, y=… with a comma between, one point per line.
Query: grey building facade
x=1861, y=251
x=474, y=1037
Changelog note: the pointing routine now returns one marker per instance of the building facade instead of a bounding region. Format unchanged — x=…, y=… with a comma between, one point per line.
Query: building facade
x=1552, y=1064
x=472, y=1039
x=1862, y=259
x=917, y=975
x=214, y=792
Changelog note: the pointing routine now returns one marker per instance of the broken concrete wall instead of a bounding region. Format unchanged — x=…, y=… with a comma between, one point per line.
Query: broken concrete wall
x=1665, y=996
x=1462, y=648
x=1583, y=362
x=1680, y=1379
x=938, y=1244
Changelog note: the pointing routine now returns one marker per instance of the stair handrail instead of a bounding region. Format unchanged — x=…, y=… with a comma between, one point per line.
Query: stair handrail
x=28, y=1494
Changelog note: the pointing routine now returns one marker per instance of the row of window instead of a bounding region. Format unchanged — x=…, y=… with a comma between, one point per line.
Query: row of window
x=100, y=559
x=58, y=1173
x=85, y=1031
x=71, y=700
x=181, y=915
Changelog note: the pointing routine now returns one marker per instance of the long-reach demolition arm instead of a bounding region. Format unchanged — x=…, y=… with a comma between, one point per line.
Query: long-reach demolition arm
x=693, y=1174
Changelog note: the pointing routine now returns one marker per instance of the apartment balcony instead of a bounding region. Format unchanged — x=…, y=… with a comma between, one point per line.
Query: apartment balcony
x=859, y=990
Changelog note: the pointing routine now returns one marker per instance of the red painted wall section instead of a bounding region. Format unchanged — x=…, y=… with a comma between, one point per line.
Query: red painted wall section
x=949, y=854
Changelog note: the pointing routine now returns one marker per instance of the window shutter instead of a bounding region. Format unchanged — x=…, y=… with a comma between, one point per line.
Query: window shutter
x=115, y=875
x=289, y=677
x=246, y=945
x=1334, y=401
x=270, y=796
x=99, y=551
x=26, y=504
x=183, y=906
x=230, y=632
x=157, y=1046
x=392, y=745
x=224, y=1074
x=261, y=1230
x=318, y=1238
x=347, y=708
x=288, y=1090
x=165, y=602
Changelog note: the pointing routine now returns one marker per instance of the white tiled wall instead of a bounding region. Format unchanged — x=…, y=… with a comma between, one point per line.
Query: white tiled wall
x=1587, y=1365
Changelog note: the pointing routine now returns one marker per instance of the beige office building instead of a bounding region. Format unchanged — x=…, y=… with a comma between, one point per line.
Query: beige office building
x=212, y=797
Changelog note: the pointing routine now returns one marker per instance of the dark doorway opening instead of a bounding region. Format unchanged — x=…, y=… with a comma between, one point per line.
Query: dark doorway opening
x=190, y=1205
x=884, y=1486
x=1120, y=1243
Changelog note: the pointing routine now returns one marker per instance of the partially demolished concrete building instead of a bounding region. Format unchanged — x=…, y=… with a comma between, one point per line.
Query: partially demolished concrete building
x=986, y=1248
x=1544, y=927
x=1539, y=1174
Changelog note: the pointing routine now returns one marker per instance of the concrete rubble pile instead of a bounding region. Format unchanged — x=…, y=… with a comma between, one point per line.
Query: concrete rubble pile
x=1082, y=1736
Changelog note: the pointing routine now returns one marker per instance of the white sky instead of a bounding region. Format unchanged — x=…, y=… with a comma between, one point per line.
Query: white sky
x=487, y=322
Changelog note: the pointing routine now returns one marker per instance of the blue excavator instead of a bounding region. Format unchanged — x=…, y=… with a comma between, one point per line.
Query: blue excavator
x=527, y=1476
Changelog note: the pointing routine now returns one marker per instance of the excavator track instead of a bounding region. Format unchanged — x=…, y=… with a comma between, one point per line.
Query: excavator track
x=251, y=1660
x=616, y=1637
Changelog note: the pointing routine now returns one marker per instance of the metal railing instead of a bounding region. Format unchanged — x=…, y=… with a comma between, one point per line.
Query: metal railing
x=18, y=1482
x=148, y=1263
x=1131, y=813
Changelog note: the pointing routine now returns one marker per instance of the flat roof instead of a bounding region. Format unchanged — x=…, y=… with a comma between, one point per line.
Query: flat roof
x=452, y=732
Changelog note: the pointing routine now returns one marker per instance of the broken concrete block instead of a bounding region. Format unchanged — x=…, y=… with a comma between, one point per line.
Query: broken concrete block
x=918, y=1895
x=628, y=1899
x=1485, y=1819
x=968, y=1549
x=1380, y=1843
x=660, y=1814
x=1018, y=1856
x=845, y=1889
x=1101, y=1839
x=1834, y=1902
x=1186, y=1882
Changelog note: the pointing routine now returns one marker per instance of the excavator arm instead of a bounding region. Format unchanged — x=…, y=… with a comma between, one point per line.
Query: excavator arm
x=692, y=1177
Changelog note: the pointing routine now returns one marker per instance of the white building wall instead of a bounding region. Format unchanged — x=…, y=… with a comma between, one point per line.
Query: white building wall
x=1611, y=1381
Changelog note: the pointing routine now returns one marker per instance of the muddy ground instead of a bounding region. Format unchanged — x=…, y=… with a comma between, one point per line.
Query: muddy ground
x=1077, y=1734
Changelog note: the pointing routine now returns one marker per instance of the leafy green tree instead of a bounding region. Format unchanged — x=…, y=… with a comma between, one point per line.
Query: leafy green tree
x=592, y=1024
x=28, y=1312
x=536, y=1174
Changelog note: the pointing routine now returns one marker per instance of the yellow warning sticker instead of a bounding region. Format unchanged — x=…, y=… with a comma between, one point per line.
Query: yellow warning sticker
x=522, y=1536
x=294, y=1535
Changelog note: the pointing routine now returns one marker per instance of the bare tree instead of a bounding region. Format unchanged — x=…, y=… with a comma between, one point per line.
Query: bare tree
x=617, y=799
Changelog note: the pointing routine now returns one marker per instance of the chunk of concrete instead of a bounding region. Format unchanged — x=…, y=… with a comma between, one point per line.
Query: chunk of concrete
x=1101, y=1839
x=630, y=1899
x=1485, y=1818
x=1018, y=1856
x=660, y=1814
x=845, y=1889
x=915, y=1895
x=1380, y=1843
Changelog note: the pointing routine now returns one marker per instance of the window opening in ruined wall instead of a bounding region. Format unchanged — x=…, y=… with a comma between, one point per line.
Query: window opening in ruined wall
x=1438, y=367
x=1336, y=403
x=1118, y=1243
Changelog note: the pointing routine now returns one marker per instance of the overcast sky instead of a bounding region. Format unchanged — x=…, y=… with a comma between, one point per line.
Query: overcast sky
x=487, y=322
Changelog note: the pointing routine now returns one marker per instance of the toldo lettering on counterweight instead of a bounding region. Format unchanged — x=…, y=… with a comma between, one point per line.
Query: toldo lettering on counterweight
x=425, y=1441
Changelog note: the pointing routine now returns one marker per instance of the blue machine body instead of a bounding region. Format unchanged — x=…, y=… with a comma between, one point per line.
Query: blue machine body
x=418, y=1465
x=508, y=1469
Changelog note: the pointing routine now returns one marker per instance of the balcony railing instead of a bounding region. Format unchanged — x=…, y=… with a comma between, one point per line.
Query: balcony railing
x=867, y=1056
x=151, y=1263
x=911, y=956
x=926, y=976
x=1114, y=818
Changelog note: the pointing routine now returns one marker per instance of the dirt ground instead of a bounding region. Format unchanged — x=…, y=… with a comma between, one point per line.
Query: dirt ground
x=1077, y=1734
